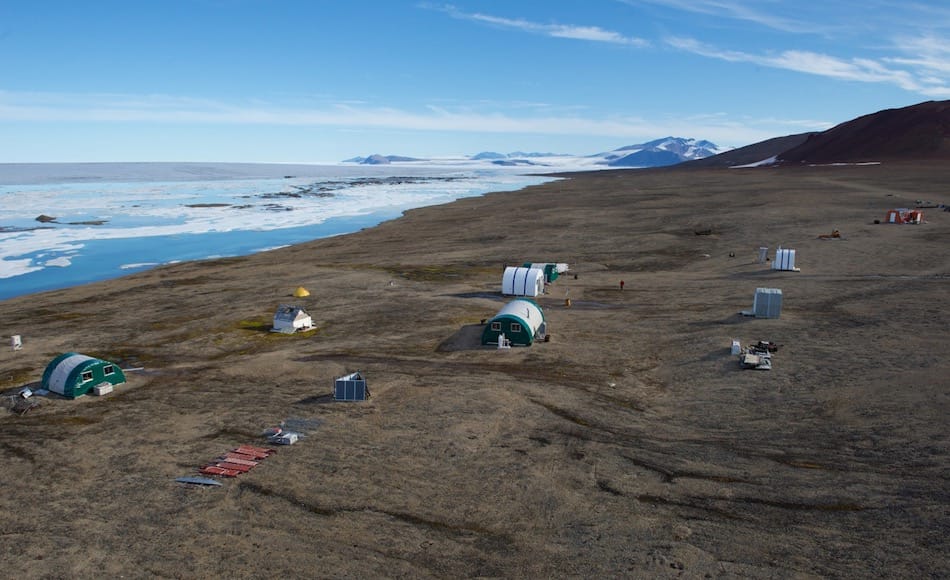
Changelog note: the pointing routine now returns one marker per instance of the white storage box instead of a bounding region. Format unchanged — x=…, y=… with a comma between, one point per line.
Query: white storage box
x=103, y=389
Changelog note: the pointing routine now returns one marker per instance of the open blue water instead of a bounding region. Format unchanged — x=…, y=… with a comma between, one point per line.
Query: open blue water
x=105, y=259
x=114, y=219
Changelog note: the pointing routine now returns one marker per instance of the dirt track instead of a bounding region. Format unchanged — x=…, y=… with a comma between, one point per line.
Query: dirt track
x=630, y=445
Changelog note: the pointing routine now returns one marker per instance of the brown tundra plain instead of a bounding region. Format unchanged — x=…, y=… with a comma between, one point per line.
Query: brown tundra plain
x=629, y=444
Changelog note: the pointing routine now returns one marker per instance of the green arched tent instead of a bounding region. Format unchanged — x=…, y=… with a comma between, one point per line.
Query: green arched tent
x=72, y=374
x=521, y=321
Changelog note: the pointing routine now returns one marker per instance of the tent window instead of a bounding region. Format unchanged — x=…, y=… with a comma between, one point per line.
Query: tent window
x=515, y=327
x=108, y=370
x=496, y=326
x=87, y=376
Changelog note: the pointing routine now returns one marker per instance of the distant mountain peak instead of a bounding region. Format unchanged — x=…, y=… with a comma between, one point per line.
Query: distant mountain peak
x=916, y=132
x=377, y=159
x=656, y=153
x=488, y=155
x=661, y=152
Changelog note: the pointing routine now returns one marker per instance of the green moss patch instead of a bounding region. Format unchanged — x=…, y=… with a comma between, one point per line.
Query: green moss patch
x=16, y=377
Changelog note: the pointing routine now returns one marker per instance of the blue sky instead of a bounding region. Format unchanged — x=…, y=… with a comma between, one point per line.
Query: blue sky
x=322, y=81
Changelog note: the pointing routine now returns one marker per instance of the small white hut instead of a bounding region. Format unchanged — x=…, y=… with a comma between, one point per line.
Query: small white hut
x=522, y=281
x=289, y=319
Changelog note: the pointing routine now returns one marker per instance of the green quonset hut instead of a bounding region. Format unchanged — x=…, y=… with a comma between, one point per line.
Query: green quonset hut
x=521, y=321
x=73, y=375
x=550, y=270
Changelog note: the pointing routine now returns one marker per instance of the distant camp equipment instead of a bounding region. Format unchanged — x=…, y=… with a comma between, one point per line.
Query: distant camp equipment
x=763, y=254
x=351, y=387
x=16, y=342
x=285, y=438
x=289, y=319
x=102, y=389
x=521, y=321
x=198, y=481
x=764, y=346
x=785, y=260
x=239, y=460
x=72, y=374
x=301, y=292
x=759, y=362
x=522, y=281
x=280, y=436
x=767, y=303
x=904, y=216
x=758, y=356
x=551, y=271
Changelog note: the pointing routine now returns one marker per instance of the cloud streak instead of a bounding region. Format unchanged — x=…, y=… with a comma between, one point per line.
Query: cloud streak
x=915, y=33
x=573, y=32
x=928, y=53
x=921, y=63
x=856, y=19
x=157, y=109
x=920, y=75
x=735, y=10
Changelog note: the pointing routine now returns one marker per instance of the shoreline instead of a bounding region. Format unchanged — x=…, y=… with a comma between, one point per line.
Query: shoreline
x=102, y=252
x=330, y=228
x=632, y=442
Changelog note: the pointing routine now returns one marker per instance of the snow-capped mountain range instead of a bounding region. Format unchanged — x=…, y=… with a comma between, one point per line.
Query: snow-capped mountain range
x=660, y=152
x=657, y=153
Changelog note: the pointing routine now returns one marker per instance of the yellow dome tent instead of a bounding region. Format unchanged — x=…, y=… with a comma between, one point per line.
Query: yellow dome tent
x=300, y=292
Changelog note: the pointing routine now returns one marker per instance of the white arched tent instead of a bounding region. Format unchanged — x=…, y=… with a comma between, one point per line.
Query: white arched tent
x=522, y=281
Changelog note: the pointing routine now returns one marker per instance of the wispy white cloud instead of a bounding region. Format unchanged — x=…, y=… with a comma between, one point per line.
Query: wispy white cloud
x=752, y=12
x=855, y=69
x=919, y=75
x=864, y=21
x=793, y=125
x=927, y=52
x=895, y=42
x=574, y=32
x=476, y=118
x=921, y=63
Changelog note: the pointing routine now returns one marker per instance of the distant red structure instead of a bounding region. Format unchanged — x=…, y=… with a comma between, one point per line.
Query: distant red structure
x=904, y=216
